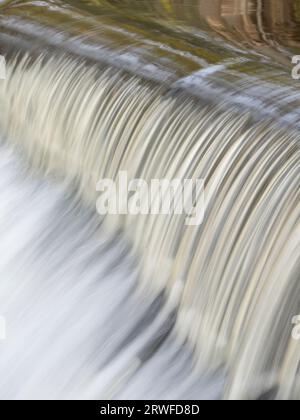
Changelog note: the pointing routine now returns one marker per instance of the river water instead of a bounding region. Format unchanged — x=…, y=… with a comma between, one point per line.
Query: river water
x=147, y=307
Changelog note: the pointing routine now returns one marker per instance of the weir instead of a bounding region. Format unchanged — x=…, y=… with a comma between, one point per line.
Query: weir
x=96, y=98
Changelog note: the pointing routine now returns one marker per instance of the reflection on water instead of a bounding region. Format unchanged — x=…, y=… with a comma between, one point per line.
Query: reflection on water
x=261, y=23
x=274, y=23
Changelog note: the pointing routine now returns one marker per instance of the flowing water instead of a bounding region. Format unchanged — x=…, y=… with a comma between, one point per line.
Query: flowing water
x=145, y=306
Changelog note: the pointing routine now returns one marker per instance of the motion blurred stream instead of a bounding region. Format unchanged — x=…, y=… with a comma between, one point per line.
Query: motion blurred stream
x=66, y=288
x=145, y=307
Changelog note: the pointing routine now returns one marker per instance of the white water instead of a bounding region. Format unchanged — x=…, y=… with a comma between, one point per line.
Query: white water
x=233, y=282
x=75, y=326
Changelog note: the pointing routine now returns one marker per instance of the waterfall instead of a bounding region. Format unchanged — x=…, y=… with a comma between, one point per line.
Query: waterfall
x=65, y=286
x=231, y=285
